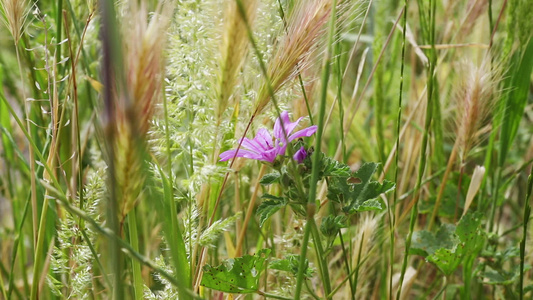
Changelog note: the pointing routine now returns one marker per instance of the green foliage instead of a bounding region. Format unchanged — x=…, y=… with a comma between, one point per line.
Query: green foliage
x=333, y=168
x=239, y=275
x=270, y=178
x=331, y=225
x=498, y=271
x=363, y=195
x=516, y=99
x=291, y=264
x=426, y=243
x=501, y=277
x=209, y=235
x=450, y=245
x=269, y=207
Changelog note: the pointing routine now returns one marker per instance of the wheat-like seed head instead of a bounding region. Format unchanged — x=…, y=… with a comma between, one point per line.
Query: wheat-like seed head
x=143, y=43
x=305, y=29
x=474, y=98
x=233, y=50
x=15, y=14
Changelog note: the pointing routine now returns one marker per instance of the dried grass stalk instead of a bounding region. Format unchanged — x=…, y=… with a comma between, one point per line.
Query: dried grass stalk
x=15, y=14
x=303, y=36
x=144, y=40
x=362, y=246
x=233, y=50
x=474, y=98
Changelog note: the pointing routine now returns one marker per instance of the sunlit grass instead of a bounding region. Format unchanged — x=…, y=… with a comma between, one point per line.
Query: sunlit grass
x=409, y=179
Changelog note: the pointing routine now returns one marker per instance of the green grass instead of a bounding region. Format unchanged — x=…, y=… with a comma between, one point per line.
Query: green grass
x=113, y=115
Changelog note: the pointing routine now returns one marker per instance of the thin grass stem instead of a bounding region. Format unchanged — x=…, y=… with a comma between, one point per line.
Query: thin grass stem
x=527, y=213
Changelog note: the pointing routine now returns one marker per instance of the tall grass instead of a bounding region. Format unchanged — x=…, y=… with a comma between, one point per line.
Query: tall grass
x=113, y=115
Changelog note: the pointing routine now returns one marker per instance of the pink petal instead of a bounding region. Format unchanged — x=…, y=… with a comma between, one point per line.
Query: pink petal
x=269, y=155
x=264, y=139
x=278, y=131
x=227, y=155
x=300, y=155
x=252, y=145
x=309, y=131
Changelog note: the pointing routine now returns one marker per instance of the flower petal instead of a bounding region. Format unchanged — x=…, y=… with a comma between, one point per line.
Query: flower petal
x=269, y=155
x=227, y=155
x=309, y=131
x=300, y=155
x=252, y=145
x=287, y=124
x=264, y=139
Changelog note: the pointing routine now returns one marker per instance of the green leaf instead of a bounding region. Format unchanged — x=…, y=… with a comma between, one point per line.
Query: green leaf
x=239, y=276
x=470, y=233
x=291, y=264
x=448, y=247
x=331, y=167
x=494, y=277
x=425, y=243
x=447, y=260
x=270, y=178
x=516, y=99
x=358, y=192
x=269, y=207
x=330, y=225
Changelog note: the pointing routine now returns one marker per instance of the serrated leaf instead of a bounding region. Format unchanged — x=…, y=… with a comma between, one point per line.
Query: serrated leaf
x=331, y=167
x=269, y=207
x=425, y=243
x=291, y=264
x=239, y=275
x=331, y=224
x=270, y=178
x=358, y=192
x=451, y=244
x=371, y=205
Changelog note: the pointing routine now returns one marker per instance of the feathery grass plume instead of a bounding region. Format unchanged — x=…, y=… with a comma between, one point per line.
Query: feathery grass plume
x=474, y=97
x=362, y=254
x=144, y=40
x=233, y=51
x=72, y=262
x=15, y=13
x=306, y=27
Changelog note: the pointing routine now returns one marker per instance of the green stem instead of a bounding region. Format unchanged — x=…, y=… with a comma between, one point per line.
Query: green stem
x=444, y=286
x=38, y=250
x=527, y=212
x=356, y=279
x=273, y=296
x=138, y=285
x=311, y=203
x=322, y=261
x=391, y=209
x=425, y=139
x=2, y=286
x=347, y=264
x=303, y=253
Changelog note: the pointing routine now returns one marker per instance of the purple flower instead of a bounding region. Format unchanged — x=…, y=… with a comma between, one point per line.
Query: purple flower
x=300, y=155
x=265, y=148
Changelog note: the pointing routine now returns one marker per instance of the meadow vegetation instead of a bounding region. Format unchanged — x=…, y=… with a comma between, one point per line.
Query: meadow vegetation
x=280, y=149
